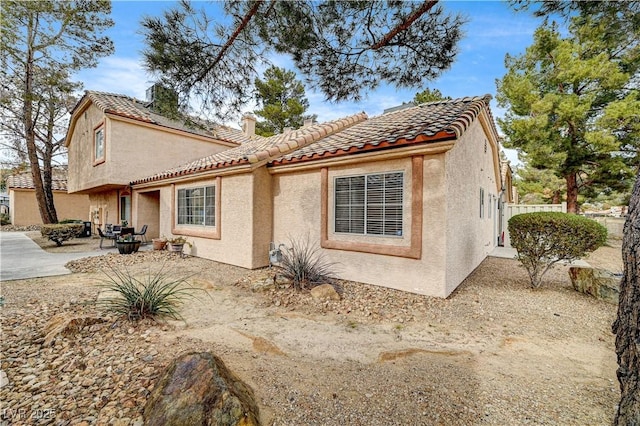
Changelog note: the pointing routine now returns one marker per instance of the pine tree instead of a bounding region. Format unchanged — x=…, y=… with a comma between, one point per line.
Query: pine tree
x=42, y=43
x=428, y=95
x=282, y=101
x=339, y=48
x=560, y=96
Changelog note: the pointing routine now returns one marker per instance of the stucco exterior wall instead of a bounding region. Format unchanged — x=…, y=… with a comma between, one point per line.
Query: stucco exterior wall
x=297, y=207
x=240, y=242
x=470, y=238
x=104, y=208
x=146, y=211
x=81, y=172
x=24, y=206
x=133, y=150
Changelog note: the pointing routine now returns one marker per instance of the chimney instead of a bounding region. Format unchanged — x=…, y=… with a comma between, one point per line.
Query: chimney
x=249, y=124
x=308, y=122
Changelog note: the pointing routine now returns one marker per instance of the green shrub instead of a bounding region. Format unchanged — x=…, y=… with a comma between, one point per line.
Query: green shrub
x=545, y=238
x=66, y=221
x=5, y=219
x=305, y=265
x=60, y=233
x=154, y=295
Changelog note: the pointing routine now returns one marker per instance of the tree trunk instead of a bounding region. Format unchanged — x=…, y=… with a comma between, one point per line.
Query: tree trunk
x=572, y=193
x=556, y=197
x=627, y=325
x=29, y=131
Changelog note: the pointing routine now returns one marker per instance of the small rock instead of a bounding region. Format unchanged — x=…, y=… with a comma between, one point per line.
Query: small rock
x=324, y=292
x=4, y=380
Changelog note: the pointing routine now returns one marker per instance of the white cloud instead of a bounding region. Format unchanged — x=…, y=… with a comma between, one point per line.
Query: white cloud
x=116, y=74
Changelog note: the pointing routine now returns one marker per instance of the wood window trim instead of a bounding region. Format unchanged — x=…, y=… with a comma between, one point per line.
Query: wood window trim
x=103, y=127
x=211, y=234
x=413, y=251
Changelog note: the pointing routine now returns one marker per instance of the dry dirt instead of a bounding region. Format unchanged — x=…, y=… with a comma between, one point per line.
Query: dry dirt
x=495, y=352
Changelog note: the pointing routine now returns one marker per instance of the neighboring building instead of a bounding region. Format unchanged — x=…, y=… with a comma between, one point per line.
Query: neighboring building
x=24, y=205
x=407, y=199
x=114, y=139
x=4, y=203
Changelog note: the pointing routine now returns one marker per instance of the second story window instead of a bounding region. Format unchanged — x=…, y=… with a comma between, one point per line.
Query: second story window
x=98, y=148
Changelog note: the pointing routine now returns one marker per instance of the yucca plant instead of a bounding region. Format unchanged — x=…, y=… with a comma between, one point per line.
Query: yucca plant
x=305, y=265
x=155, y=295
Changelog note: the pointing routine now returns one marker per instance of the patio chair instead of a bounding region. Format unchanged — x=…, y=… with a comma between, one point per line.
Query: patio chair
x=107, y=236
x=142, y=233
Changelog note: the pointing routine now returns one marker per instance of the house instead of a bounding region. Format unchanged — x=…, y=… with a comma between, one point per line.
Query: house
x=408, y=199
x=113, y=139
x=24, y=205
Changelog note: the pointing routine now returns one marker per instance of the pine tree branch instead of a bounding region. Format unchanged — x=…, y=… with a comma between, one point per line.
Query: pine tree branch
x=426, y=6
x=231, y=40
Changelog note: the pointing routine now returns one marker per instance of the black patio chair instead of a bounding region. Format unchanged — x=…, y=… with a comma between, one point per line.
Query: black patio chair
x=107, y=236
x=142, y=233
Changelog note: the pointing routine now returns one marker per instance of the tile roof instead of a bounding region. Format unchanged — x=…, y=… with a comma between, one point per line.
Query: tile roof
x=429, y=122
x=261, y=149
x=25, y=181
x=135, y=109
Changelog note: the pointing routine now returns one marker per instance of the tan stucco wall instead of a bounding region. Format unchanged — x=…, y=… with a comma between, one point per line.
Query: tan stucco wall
x=104, y=208
x=297, y=214
x=244, y=219
x=132, y=151
x=146, y=211
x=470, y=238
x=24, y=206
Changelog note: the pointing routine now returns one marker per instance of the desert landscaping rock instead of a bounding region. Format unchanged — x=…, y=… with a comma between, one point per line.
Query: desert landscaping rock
x=198, y=389
x=324, y=292
x=496, y=352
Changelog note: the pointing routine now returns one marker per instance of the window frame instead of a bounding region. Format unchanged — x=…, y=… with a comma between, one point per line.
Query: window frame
x=99, y=129
x=198, y=206
x=367, y=206
x=364, y=244
x=206, y=231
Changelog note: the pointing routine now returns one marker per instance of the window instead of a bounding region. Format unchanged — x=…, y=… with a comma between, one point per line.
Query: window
x=125, y=208
x=481, y=203
x=196, y=206
x=99, y=144
x=369, y=204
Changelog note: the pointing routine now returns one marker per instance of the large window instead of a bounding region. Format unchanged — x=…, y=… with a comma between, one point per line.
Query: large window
x=99, y=144
x=369, y=204
x=196, y=206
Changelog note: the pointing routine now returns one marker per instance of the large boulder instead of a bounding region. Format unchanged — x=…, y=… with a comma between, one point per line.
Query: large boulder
x=598, y=283
x=198, y=389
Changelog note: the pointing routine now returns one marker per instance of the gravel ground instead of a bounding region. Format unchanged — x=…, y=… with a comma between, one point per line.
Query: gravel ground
x=495, y=352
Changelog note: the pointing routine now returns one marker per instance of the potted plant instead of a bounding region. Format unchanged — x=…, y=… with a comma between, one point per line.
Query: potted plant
x=176, y=244
x=159, y=243
x=127, y=244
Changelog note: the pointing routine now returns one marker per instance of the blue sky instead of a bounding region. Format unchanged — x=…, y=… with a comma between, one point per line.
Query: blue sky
x=493, y=30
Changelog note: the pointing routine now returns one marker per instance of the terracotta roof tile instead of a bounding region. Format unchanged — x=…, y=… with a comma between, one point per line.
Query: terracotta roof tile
x=135, y=109
x=440, y=120
x=25, y=181
x=261, y=149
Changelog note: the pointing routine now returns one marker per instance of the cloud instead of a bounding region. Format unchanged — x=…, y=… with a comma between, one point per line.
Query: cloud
x=116, y=74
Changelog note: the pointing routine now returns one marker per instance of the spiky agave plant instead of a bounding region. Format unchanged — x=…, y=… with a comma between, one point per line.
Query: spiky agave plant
x=305, y=265
x=154, y=295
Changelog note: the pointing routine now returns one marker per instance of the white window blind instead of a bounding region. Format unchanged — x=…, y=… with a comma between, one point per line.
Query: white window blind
x=196, y=206
x=369, y=204
x=99, y=144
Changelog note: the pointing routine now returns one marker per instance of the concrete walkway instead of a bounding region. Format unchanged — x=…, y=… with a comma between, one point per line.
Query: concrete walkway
x=21, y=258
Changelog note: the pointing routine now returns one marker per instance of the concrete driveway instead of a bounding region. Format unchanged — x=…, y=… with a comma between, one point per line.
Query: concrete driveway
x=21, y=258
